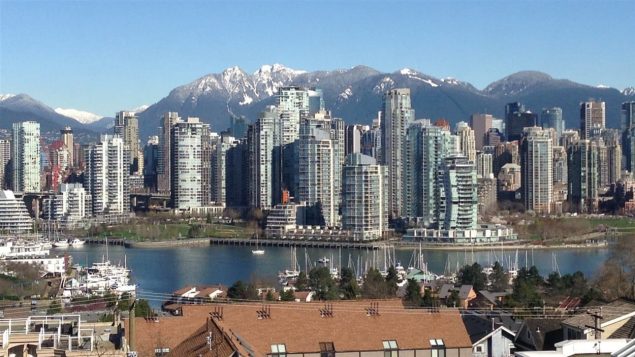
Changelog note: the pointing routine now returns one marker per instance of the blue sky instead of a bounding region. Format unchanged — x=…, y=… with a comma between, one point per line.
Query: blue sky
x=106, y=56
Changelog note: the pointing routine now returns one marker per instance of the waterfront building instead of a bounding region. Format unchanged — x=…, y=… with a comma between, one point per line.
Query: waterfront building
x=537, y=170
x=191, y=154
x=481, y=234
x=5, y=161
x=66, y=136
x=552, y=118
x=583, y=175
x=68, y=206
x=284, y=218
x=592, y=117
x=426, y=148
x=107, y=176
x=164, y=169
x=14, y=218
x=516, y=119
x=484, y=165
x=364, y=203
x=481, y=124
x=628, y=134
x=151, y=163
x=397, y=115
x=457, y=207
x=25, y=153
x=127, y=127
x=466, y=141
x=262, y=137
x=320, y=160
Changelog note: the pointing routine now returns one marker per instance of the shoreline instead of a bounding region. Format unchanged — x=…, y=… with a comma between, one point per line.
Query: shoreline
x=399, y=245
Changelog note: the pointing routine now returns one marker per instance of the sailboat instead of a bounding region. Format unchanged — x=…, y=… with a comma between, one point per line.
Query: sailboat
x=258, y=250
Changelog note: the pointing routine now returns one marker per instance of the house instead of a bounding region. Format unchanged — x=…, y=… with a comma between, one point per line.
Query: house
x=610, y=319
x=538, y=334
x=356, y=328
x=193, y=295
x=569, y=304
x=488, y=339
x=490, y=299
x=586, y=348
x=465, y=294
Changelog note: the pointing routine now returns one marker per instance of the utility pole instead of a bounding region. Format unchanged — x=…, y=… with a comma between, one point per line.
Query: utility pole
x=596, y=323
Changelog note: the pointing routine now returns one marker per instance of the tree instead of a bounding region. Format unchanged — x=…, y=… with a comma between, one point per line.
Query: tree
x=142, y=308
x=287, y=295
x=453, y=299
x=302, y=282
x=428, y=300
x=349, y=289
x=473, y=275
x=321, y=281
x=242, y=291
x=375, y=286
x=391, y=281
x=269, y=296
x=413, y=293
x=499, y=280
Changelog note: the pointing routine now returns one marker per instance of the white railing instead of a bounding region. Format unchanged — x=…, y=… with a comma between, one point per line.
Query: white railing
x=5, y=338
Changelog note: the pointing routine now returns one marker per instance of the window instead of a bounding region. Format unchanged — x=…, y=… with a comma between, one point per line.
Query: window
x=391, y=348
x=327, y=349
x=438, y=348
x=279, y=350
x=479, y=348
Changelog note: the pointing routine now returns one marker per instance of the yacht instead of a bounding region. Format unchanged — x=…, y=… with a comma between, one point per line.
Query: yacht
x=77, y=242
x=60, y=244
x=323, y=260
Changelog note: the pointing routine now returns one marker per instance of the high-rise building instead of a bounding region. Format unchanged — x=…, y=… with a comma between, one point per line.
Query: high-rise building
x=191, y=167
x=364, y=205
x=127, y=127
x=583, y=175
x=457, y=207
x=316, y=100
x=628, y=134
x=262, y=137
x=67, y=138
x=237, y=126
x=537, y=170
x=509, y=180
x=397, y=114
x=26, y=157
x=164, y=169
x=107, y=176
x=426, y=148
x=552, y=118
x=516, y=119
x=505, y=153
x=371, y=142
x=5, y=160
x=560, y=174
x=494, y=137
x=481, y=124
x=484, y=165
x=220, y=147
x=592, y=117
x=353, y=138
x=293, y=105
x=487, y=194
x=466, y=140
x=237, y=175
x=151, y=163
x=320, y=160
x=69, y=206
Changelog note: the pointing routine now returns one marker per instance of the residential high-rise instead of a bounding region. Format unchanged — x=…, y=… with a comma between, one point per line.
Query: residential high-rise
x=397, y=114
x=191, y=168
x=237, y=126
x=505, y=153
x=5, y=160
x=481, y=124
x=69, y=206
x=426, y=148
x=26, y=157
x=164, y=169
x=371, y=142
x=320, y=160
x=67, y=138
x=509, y=179
x=484, y=165
x=466, y=140
x=151, y=163
x=107, y=176
x=457, y=207
x=353, y=138
x=316, y=100
x=292, y=105
x=537, y=170
x=487, y=194
x=628, y=134
x=583, y=175
x=364, y=205
x=127, y=127
x=237, y=175
x=592, y=117
x=220, y=147
x=552, y=118
x=560, y=174
x=262, y=137
x=516, y=119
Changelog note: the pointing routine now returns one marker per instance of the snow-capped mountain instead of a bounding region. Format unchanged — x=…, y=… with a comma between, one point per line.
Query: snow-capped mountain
x=22, y=107
x=79, y=115
x=630, y=91
x=6, y=96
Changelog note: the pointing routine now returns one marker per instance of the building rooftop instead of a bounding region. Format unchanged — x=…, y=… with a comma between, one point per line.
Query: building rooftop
x=617, y=309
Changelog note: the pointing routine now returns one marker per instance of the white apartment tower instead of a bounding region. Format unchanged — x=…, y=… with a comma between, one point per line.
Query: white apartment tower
x=466, y=140
x=26, y=157
x=537, y=169
x=261, y=139
x=191, y=164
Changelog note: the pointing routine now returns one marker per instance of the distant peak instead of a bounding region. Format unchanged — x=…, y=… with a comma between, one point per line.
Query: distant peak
x=6, y=96
x=79, y=115
x=407, y=71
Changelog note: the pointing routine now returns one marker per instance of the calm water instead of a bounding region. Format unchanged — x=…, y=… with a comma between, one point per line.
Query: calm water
x=167, y=269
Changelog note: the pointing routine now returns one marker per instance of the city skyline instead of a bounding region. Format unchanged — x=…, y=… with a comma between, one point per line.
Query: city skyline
x=93, y=65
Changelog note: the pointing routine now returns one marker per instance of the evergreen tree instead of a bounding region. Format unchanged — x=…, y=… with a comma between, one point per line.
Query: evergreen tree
x=473, y=275
x=413, y=293
x=349, y=289
x=375, y=286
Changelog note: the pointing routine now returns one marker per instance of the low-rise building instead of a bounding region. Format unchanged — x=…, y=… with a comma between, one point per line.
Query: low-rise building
x=14, y=218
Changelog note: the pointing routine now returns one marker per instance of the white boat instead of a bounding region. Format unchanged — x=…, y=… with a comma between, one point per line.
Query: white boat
x=77, y=242
x=60, y=244
x=323, y=260
x=258, y=251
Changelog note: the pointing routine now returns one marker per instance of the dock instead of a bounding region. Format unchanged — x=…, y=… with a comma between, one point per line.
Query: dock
x=296, y=243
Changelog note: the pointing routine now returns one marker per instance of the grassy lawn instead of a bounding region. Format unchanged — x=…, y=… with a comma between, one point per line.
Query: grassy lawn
x=171, y=231
x=615, y=222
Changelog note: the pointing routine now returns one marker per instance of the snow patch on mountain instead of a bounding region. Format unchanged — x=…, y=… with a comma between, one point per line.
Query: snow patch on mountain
x=79, y=115
x=140, y=108
x=347, y=93
x=603, y=86
x=384, y=85
x=629, y=91
x=6, y=96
